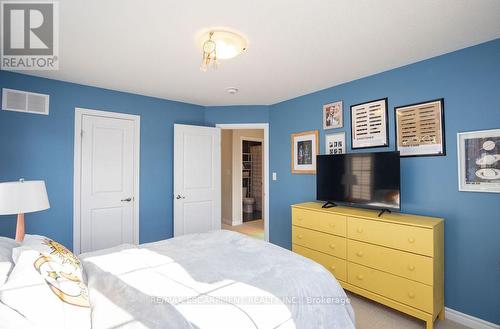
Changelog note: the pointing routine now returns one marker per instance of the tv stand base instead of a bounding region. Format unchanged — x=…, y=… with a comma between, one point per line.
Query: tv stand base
x=328, y=204
x=382, y=211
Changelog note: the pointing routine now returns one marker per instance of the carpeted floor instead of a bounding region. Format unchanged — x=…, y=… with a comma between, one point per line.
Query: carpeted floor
x=254, y=228
x=371, y=315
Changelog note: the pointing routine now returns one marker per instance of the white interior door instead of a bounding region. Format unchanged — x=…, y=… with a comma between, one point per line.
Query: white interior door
x=197, y=181
x=107, y=182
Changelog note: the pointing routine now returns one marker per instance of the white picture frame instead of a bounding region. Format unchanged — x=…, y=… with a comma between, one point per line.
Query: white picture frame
x=479, y=161
x=335, y=143
x=333, y=115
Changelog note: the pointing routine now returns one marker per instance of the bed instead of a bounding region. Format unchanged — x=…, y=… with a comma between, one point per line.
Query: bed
x=219, y=279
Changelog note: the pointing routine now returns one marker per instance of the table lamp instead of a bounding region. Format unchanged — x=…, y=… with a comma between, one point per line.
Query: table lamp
x=20, y=198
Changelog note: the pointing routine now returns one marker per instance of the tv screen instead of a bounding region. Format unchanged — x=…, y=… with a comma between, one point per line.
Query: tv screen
x=369, y=180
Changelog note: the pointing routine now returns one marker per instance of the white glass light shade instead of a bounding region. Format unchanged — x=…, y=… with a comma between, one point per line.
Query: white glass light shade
x=228, y=44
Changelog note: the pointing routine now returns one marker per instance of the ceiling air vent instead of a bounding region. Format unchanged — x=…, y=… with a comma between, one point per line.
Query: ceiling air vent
x=23, y=101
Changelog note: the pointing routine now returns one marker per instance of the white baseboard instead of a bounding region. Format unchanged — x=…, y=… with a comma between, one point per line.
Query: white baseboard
x=468, y=320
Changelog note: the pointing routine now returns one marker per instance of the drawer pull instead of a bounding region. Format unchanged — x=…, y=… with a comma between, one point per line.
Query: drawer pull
x=359, y=277
x=411, y=267
x=411, y=295
x=332, y=225
x=411, y=240
x=332, y=246
x=332, y=267
x=359, y=230
x=359, y=254
x=299, y=219
x=299, y=236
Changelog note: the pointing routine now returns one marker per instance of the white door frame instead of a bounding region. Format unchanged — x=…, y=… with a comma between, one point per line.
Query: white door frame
x=265, y=127
x=79, y=113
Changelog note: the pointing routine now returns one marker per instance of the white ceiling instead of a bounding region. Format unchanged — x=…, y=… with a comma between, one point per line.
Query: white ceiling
x=296, y=46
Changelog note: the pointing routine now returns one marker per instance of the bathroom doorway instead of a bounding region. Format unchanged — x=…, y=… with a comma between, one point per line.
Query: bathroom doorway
x=244, y=182
x=252, y=178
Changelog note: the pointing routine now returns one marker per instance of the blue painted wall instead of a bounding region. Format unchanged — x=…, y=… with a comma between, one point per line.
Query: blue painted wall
x=469, y=81
x=236, y=114
x=41, y=147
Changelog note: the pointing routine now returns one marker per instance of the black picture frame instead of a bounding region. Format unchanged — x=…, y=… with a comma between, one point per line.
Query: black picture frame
x=386, y=144
x=443, y=131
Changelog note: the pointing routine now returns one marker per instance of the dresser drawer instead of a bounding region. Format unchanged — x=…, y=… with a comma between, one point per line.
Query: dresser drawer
x=320, y=221
x=327, y=243
x=411, y=266
x=409, y=238
x=336, y=266
x=405, y=291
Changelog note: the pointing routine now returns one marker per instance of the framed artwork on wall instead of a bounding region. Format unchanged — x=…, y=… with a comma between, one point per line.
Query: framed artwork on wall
x=479, y=161
x=333, y=115
x=369, y=124
x=305, y=146
x=335, y=143
x=420, y=129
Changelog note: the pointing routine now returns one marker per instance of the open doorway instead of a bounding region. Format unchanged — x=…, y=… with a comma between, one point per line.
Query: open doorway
x=252, y=179
x=244, y=183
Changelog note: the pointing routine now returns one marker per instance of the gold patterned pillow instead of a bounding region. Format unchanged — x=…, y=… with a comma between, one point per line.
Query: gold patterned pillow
x=46, y=285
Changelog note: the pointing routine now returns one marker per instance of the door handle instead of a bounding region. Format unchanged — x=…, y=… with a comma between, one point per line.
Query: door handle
x=180, y=197
x=126, y=200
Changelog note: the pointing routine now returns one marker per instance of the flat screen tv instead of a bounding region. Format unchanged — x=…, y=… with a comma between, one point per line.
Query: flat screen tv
x=369, y=180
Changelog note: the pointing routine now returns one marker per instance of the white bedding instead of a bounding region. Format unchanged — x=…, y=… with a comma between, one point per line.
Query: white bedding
x=217, y=280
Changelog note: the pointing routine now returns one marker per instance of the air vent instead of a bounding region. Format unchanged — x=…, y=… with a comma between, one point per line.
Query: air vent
x=23, y=101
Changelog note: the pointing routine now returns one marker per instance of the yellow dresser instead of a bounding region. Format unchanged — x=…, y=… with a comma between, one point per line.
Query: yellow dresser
x=396, y=259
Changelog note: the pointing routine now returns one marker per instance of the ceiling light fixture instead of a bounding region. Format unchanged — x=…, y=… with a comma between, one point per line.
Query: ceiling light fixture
x=219, y=44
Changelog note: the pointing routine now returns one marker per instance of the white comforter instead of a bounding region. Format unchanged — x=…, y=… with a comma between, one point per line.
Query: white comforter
x=217, y=280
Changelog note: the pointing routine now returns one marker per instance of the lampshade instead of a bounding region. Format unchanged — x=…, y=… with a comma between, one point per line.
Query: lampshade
x=23, y=197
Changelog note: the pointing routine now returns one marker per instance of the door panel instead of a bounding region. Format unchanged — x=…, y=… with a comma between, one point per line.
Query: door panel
x=193, y=222
x=197, y=179
x=107, y=182
x=107, y=160
x=106, y=227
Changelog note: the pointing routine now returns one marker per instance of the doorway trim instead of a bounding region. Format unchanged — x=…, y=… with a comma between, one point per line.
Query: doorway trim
x=265, y=127
x=77, y=174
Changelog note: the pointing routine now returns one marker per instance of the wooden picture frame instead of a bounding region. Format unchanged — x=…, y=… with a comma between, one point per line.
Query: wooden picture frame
x=420, y=129
x=370, y=129
x=305, y=147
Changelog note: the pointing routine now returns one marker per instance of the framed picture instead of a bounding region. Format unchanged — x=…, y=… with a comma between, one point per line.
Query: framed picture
x=420, y=129
x=369, y=124
x=479, y=161
x=333, y=115
x=305, y=147
x=335, y=143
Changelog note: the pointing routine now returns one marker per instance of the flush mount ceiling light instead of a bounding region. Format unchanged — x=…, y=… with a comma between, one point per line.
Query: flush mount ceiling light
x=220, y=44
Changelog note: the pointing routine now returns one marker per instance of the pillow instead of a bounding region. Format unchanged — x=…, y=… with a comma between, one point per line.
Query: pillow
x=6, y=262
x=46, y=285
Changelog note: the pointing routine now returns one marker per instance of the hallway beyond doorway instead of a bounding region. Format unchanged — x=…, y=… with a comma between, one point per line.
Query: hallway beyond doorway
x=253, y=228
